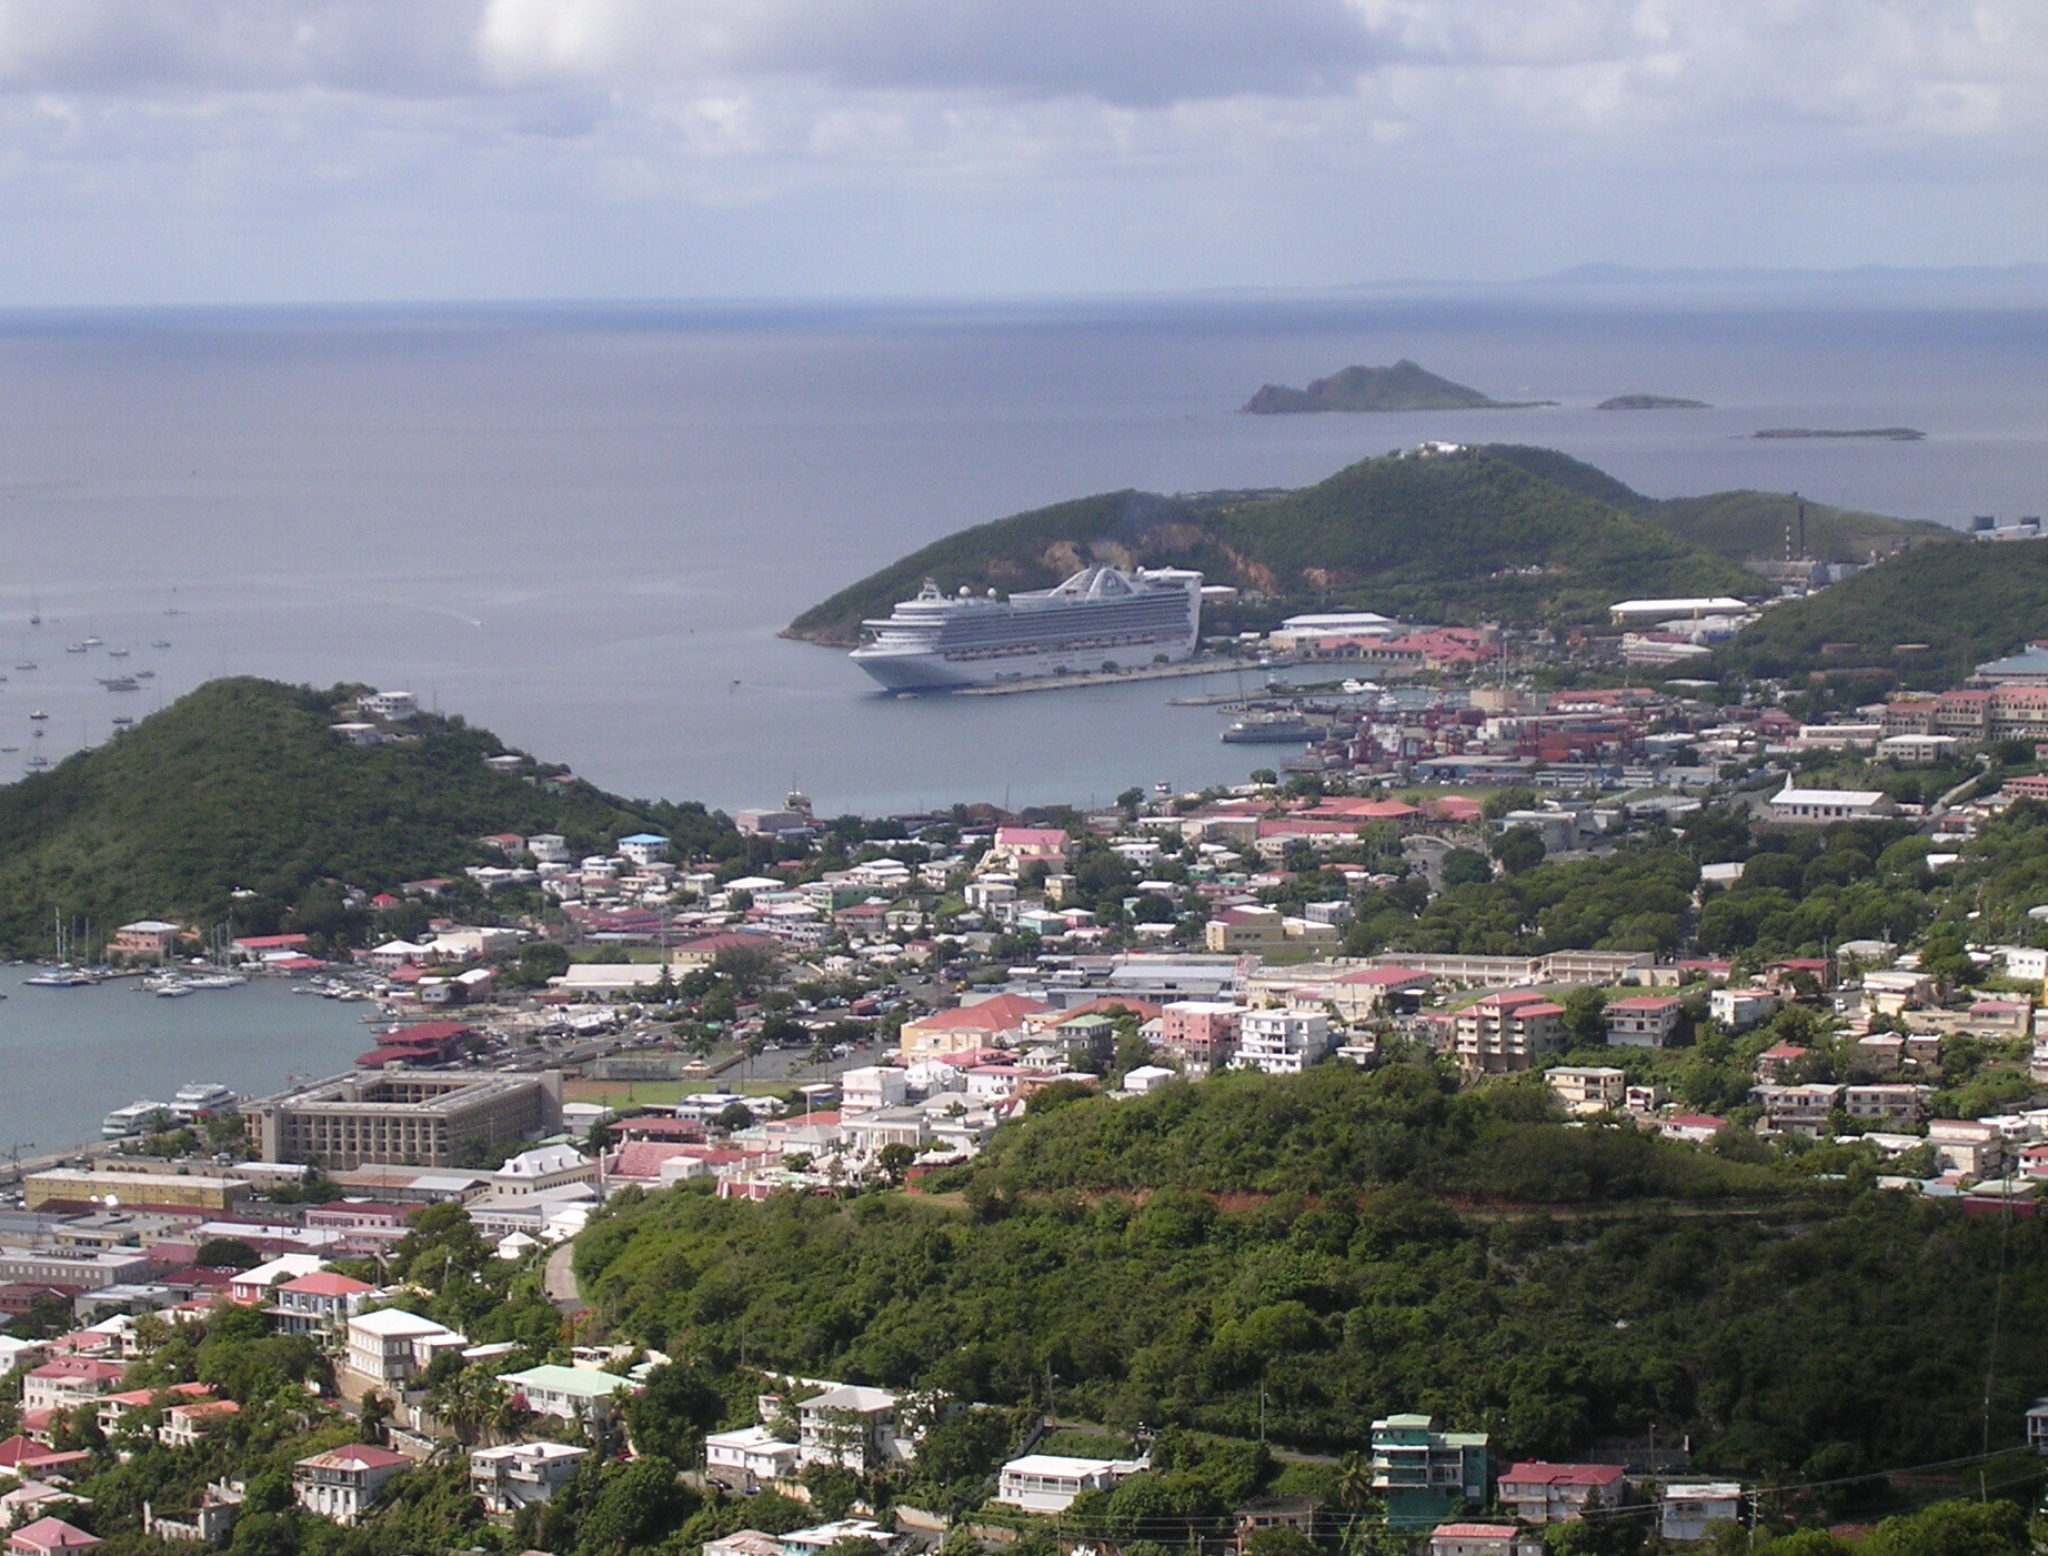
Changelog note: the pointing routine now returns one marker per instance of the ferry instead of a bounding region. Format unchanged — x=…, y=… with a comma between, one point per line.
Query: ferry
x=56, y=977
x=201, y=1098
x=1100, y=619
x=1269, y=729
x=136, y=1118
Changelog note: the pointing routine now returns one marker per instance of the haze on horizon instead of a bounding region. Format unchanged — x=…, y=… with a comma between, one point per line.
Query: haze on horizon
x=249, y=151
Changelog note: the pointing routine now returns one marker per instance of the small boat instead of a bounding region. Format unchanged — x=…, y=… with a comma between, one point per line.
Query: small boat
x=39, y=714
x=74, y=648
x=8, y=750
x=117, y=653
x=161, y=643
x=26, y=664
x=92, y=642
x=123, y=720
x=145, y=675
x=121, y=683
x=38, y=762
x=57, y=978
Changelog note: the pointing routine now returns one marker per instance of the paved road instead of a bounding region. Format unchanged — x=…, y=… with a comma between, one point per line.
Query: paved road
x=558, y=1279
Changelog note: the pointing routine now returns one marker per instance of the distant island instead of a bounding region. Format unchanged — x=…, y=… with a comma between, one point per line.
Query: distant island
x=1403, y=387
x=1651, y=402
x=1891, y=434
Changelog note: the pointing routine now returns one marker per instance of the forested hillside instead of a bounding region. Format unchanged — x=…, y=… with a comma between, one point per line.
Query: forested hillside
x=1321, y=1274
x=1924, y=619
x=241, y=785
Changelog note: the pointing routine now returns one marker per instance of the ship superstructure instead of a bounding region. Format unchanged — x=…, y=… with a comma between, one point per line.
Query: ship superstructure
x=1100, y=619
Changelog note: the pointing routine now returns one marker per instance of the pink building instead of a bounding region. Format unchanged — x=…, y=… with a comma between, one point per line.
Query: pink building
x=1200, y=1034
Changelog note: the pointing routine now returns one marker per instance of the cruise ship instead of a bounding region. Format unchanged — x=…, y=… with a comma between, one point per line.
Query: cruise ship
x=1099, y=619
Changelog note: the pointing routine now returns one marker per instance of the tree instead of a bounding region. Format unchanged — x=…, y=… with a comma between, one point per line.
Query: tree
x=1519, y=849
x=895, y=1160
x=1280, y=1540
x=636, y=1505
x=670, y=1416
x=226, y=1253
x=1465, y=867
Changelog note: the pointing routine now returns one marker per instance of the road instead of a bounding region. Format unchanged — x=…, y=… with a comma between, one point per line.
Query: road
x=558, y=1279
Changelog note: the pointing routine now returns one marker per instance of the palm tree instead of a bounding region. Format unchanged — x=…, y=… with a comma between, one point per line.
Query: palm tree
x=1351, y=1490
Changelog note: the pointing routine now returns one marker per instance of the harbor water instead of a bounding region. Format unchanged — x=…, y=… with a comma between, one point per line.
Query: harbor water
x=68, y=1057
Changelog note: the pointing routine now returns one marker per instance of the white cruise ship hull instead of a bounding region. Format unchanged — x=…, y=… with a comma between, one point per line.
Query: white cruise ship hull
x=925, y=672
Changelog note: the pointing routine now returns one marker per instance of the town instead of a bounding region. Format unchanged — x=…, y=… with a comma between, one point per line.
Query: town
x=1810, y=951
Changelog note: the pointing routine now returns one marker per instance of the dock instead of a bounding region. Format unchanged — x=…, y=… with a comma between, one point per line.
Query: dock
x=1172, y=672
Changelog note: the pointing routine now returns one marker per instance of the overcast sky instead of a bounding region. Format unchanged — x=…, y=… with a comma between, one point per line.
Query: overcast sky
x=265, y=150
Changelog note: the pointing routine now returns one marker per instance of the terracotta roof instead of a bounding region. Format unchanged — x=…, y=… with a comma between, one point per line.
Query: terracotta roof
x=1536, y=1472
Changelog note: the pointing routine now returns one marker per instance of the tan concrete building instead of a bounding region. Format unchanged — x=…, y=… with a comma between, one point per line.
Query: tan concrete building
x=399, y=1117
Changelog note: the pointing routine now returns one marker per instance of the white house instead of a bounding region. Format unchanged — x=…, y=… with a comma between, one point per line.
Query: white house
x=747, y=1457
x=390, y=1345
x=1824, y=807
x=544, y=1167
x=872, y=1087
x=522, y=1474
x=853, y=1427
x=1049, y=1482
x=1689, y=1506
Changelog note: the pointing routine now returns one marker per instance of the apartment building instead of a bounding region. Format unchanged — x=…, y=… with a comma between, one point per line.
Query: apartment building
x=1506, y=1033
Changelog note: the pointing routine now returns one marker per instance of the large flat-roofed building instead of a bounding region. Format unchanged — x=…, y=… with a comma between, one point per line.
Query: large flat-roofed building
x=399, y=1117
x=79, y=1268
x=76, y=1185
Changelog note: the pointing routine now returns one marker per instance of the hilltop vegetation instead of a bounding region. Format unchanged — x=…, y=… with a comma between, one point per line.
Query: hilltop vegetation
x=1924, y=619
x=1461, y=537
x=1405, y=386
x=1319, y=1273
x=242, y=786
x=1743, y=526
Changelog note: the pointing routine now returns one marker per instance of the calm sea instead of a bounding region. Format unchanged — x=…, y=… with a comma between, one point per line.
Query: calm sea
x=584, y=527
x=70, y=1056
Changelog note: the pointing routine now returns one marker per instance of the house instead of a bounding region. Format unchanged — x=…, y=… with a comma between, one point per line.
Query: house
x=1740, y=1009
x=1643, y=1021
x=1884, y=1102
x=1798, y=1110
x=47, y=1536
x=390, y=1345
x=34, y=1499
x=116, y=1408
x=70, y=1381
x=1586, y=1089
x=1540, y=1493
x=185, y=1425
x=1425, y=1474
x=1692, y=1128
x=2002, y=1018
x=851, y=1426
x=1297, y=1513
x=253, y=1286
x=1689, y=1506
x=344, y=1483
x=1483, y=1540
x=24, y=1457
x=1049, y=1482
x=1281, y=1042
x=748, y=1456
x=643, y=848
x=872, y=1086
x=746, y=1542
x=522, y=1474
x=1015, y=847
x=993, y=1023
x=318, y=1303
x=567, y=1393
x=822, y=1537
x=1505, y=1033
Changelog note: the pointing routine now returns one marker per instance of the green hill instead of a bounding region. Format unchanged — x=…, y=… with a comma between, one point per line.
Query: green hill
x=1475, y=534
x=1965, y=603
x=242, y=786
x=1284, y=1256
x=1403, y=387
x=1747, y=525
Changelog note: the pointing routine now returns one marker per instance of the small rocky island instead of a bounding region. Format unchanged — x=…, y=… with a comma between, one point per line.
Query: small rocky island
x=1889, y=434
x=1403, y=387
x=1651, y=402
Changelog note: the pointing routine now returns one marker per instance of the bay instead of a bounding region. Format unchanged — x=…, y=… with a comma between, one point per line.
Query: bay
x=584, y=526
x=68, y=1057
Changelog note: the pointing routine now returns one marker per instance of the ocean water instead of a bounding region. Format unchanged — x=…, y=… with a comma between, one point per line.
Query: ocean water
x=584, y=527
x=71, y=1056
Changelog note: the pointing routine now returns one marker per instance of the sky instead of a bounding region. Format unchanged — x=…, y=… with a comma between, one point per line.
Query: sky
x=253, y=151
